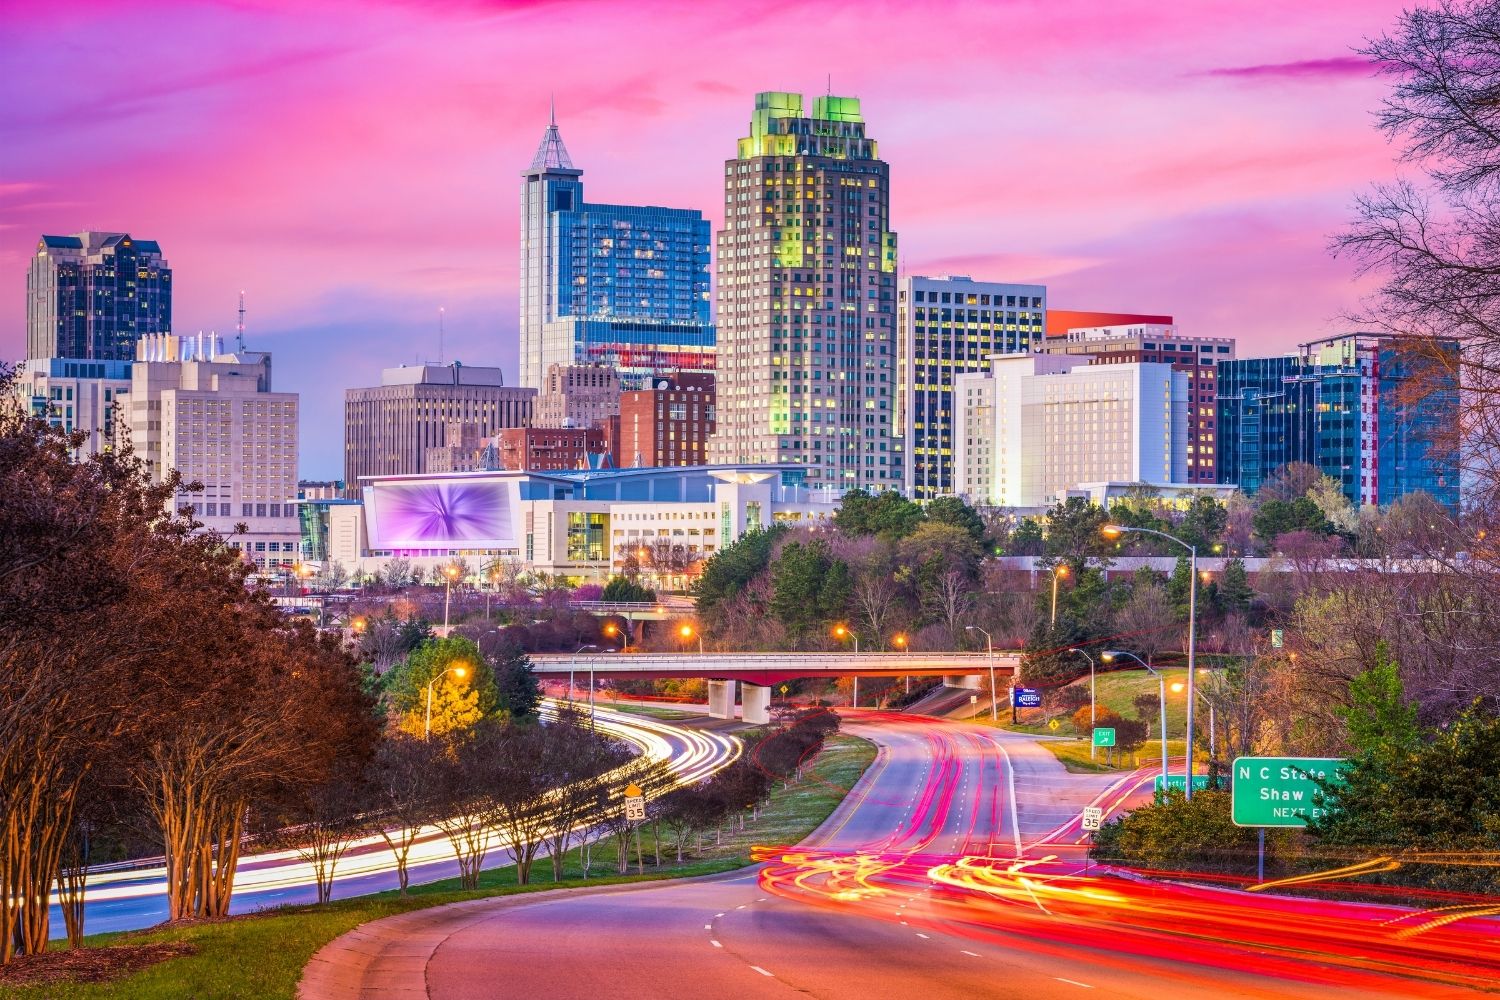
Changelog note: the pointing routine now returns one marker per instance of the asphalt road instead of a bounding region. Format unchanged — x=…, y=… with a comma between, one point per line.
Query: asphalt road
x=881, y=903
x=131, y=899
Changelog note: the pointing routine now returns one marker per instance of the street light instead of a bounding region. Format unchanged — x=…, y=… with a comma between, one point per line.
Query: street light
x=899, y=641
x=686, y=632
x=1058, y=572
x=989, y=653
x=1114, y=531
x=843, y=632
x=450, y=571
x=460, y=671
x=1093, y=712
x=1109, y=656
x=1213, y=723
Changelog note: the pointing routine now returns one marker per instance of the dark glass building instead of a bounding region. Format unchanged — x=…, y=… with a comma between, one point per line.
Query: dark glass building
x=91, y=296
x=1348, y=406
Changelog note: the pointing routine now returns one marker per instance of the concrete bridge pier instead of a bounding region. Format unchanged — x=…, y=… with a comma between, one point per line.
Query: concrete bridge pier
x=756, y=702
x=972, y=682
x=721, y=699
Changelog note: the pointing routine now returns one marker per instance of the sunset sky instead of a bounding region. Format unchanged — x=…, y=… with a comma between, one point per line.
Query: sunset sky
x=355, y=166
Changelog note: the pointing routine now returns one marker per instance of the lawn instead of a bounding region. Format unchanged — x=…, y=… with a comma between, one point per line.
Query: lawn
x=261, y=956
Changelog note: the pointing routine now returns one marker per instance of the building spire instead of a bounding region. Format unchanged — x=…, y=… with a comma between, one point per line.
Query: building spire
x=552, y=154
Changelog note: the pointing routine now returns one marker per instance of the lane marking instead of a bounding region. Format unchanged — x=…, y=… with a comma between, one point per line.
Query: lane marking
x=708, y=927
x=1072, y=982
x=923, y=936
x=972, y=954
x=763, y=972
x=718, y=914
x=715, y=943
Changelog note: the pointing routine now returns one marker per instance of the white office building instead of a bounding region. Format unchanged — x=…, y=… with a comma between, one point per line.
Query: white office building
x=214, y=418
x=1037, y=426
x=74, y=394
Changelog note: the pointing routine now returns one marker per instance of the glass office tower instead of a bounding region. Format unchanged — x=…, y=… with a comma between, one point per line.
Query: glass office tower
x=621, y=285
x=92, y=295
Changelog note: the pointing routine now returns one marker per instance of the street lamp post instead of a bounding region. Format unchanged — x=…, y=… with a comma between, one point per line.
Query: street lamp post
x=1113, y=531
x=844, y=632
x=1058, y=572
x=1093, y=711
x=989, y=655
x=1161, y=680
x=449, y=572
x=459, y=671
x=687, y=632
x=899, y=641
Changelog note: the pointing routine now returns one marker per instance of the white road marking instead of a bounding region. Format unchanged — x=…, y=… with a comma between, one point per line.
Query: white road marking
x=923, y=936
x=718, y=914
x=763, y=972
x=1072, y=982
x=715, y=943
x=740, y=907
x=708, y=927
x=971, y=954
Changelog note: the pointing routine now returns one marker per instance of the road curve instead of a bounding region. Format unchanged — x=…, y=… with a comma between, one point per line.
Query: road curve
x=133, y=898
x=946, y=873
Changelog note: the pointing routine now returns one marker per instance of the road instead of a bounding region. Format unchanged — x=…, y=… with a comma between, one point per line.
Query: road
x=953, y=870
x=120, y=900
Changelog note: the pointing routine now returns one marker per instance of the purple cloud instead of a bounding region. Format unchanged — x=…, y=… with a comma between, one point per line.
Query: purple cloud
x=1303, y=69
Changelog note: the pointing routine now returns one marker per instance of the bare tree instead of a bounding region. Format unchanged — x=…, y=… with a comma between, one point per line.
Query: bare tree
x=403, y=777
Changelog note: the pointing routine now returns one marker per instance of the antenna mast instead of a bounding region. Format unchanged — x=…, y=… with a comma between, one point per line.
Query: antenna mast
x=440, y=335
x=239, y=329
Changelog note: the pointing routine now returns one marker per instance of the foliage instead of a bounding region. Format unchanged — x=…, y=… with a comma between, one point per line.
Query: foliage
x=624, y=590
x=1073, y=532
x=1235, y=592
x=887, y=515
x=732, y=568
x=516, y=684
x=811, y=587
x=458, y=702
x=952, y=510
x=1174, y=834
x=1275, y=518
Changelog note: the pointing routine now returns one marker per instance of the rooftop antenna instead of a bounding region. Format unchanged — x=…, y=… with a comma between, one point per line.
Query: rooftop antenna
x=552, y=112
x=239, y=328
x=440, y=335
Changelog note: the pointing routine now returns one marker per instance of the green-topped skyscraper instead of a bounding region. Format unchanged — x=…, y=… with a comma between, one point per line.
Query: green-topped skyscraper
x=806, y=298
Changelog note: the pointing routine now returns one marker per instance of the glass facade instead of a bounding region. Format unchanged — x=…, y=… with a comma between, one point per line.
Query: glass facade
x=93, y=295
x=1347, y=406
x=600, y=282
x=949, y=327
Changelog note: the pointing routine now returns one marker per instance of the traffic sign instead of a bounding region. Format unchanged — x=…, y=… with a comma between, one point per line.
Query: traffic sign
x=1278, y=638
x=635, y=809
x=633, y=791
x=1093, y=817
x=1179, y=782
x=1280, y=791
x=973, y=699
x=1104, y=736
x=1052, y=724
x=1025, y=698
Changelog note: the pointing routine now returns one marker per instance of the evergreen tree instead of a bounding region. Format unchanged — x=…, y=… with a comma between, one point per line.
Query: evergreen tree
x=1235, y=592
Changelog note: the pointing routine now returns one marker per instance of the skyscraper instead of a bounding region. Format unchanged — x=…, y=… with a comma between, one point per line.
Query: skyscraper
x=214, y=417
x=621, y=285
x=951, y=326
x=1376, y=418
x=92, y=295
x=806, y=294
x=390, y=429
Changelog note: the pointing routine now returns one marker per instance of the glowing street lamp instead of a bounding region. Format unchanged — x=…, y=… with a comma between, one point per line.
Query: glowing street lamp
x=989, y=653
x=1058, y=572
x=458, y=670
x=686, y=632
x=899, y=641
x=1093, y=711
x=843, y=632
x=1114, y=531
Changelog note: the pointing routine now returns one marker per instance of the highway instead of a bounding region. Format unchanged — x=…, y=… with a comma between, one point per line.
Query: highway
x=953, y=870
x=131, y=898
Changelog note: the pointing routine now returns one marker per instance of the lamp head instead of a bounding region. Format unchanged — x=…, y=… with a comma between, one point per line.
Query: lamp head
x=1111, y=531
x=1177, y=687
x=460, y=672
x=1110, y=655
x=1061, y=569
x=686, y=631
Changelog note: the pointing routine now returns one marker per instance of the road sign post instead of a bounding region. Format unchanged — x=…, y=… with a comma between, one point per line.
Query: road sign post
x=635, y=812
x=1280, y=791
x=1179, y=782
x=1104, y=736
x=1093, y=817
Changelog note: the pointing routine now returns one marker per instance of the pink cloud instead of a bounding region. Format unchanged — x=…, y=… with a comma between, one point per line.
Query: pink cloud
x=1304, y=69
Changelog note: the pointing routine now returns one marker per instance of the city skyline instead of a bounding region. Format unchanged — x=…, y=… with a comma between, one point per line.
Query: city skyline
x=1205, y=187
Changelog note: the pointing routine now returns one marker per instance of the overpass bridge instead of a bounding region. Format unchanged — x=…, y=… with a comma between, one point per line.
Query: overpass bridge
x=759, y=672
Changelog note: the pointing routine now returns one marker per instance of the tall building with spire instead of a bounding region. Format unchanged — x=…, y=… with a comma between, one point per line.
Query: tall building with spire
x=625, y=286
x=806, y=298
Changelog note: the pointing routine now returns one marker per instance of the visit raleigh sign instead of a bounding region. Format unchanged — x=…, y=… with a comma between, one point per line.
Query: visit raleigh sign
x=1281, y=791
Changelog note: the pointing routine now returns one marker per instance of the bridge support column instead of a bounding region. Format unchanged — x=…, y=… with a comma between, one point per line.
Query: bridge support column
x=721, y=699
x=972, y=682
x=756, y=703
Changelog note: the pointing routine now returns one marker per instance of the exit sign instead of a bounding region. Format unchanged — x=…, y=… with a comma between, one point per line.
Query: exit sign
x=1280, y=791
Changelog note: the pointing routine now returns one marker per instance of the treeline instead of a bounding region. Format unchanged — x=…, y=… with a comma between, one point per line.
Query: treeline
x=146, y=694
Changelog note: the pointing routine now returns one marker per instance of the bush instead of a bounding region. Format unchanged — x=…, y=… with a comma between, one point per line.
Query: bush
x=1176, y=834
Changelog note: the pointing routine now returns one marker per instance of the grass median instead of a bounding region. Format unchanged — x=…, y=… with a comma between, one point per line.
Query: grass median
x=260, y=956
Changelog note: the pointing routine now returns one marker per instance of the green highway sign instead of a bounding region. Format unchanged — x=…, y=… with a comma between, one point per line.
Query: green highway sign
x=1179, y=782
x=1104, y=737
x=1278, y=638
x=1279, y=791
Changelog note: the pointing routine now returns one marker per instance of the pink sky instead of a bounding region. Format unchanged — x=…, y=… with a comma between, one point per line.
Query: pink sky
x=354, y=166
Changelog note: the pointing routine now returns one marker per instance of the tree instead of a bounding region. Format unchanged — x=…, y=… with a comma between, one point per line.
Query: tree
x=1146, y=623
x=731, y=570
x=457, y=702
x=1378, y=719
x=887, y=515
x=509, y=770
x=1275, y=518
x=1235, y=592
x=576, y=760
x=402, y=780
x=952, y=510
x=875, y=595
x=322, y=822
x=517, y=688
x=1328, y=496
x=623, y=590
x=811, y=587
x=1203, y=524
x=1073, y=532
